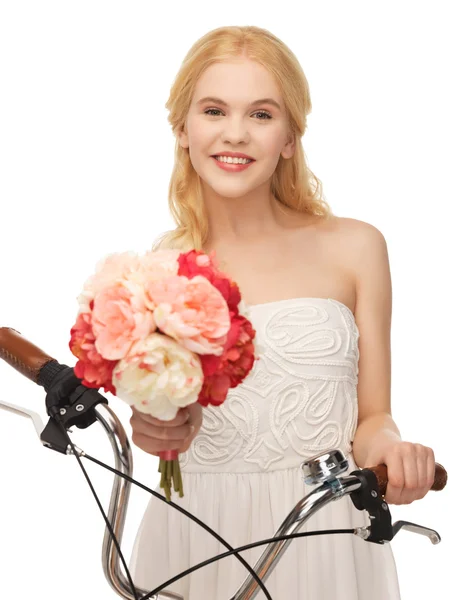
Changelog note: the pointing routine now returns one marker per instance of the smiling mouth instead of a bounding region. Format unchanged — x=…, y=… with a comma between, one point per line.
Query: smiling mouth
x=250, y=160
x=232, y=167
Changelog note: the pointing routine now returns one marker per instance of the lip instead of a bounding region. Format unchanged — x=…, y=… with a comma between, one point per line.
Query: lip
x=229, y=167
x=234, y=155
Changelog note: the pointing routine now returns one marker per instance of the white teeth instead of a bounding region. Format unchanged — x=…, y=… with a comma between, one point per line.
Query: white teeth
x=231, y=160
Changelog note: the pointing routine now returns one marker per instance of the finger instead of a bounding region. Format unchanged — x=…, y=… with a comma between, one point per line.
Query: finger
x=153, y=446
x=195, y=421
x=408, y=496
x=187, y=442
x=180, y=432
x=409, y=493
x=195, y=414
x=410, y=468
x=180, y=418
x=396, y=478
x=430, y=469
x=423, y=472
x=415, y=464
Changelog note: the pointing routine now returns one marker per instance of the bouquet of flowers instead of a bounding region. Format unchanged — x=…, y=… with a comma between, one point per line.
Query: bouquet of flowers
x=162, y=331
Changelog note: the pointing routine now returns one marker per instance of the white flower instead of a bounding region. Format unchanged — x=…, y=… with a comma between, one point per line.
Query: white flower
x=158, y=377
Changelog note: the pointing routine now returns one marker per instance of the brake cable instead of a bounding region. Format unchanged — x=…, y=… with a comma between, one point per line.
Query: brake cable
x=59, y=392
x=62, y=386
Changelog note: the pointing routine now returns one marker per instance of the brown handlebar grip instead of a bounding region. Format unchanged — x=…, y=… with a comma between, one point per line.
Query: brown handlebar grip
x=21, y=354
x=440, y=477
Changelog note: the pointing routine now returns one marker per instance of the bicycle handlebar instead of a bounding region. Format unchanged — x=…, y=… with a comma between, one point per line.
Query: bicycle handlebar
x=28, y=359
x=322, y=472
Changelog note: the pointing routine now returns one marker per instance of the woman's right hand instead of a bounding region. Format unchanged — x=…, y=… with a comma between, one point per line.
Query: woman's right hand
x=153, y=435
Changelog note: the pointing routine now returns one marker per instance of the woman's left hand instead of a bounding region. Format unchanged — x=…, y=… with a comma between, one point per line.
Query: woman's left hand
x=410, y=467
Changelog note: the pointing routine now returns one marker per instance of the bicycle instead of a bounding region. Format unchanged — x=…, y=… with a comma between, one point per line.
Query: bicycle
x=69, y=403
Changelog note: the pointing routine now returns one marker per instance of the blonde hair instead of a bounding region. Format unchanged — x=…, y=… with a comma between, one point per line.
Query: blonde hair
x=293, y=183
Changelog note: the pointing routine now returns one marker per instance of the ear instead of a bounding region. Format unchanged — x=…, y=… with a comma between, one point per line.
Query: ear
x=289, y=149
x=183, y=137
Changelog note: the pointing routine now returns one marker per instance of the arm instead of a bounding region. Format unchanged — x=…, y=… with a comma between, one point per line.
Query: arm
x=373, y=317
x=377, y=439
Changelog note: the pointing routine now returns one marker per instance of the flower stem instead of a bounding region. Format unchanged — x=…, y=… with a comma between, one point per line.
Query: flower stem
x=171, y=477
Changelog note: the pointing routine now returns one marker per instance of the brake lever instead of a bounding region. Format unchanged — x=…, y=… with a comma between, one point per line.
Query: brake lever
x=381, y=530
x=25, y=412
x=432, y=534
x=415, y=528
x=66, y=399
x=53, y=438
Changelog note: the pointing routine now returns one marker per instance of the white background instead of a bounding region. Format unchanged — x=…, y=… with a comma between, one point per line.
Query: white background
x=86, y=154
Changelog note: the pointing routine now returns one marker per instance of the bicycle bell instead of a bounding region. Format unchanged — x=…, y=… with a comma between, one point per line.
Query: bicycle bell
x=324, y=467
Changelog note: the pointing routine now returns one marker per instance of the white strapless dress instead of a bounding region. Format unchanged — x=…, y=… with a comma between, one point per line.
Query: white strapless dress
x=242, y=474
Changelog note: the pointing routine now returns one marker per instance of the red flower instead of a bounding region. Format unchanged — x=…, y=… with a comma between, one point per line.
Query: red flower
x=91, y=368
x=229, y=369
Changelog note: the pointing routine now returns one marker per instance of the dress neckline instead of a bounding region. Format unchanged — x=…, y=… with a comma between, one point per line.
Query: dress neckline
x=309, y=298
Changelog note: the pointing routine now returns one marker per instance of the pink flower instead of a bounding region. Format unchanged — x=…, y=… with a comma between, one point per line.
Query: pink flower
x=131, y=270
x=119, y=319
x=192, y=311
x=166, y=260
x=109, y=271
x=195, y=262
x=153, y=266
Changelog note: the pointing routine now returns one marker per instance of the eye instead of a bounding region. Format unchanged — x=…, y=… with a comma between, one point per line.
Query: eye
x=259, y=112
x=264, y=112
x=206, y=112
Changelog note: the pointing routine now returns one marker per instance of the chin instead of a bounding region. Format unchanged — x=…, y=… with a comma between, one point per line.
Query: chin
x=230, y=191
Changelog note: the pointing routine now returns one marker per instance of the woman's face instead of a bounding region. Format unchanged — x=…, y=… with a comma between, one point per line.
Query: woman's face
x=258, y=130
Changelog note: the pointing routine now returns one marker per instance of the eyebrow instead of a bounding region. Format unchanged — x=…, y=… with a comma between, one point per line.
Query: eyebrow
x=223, y=103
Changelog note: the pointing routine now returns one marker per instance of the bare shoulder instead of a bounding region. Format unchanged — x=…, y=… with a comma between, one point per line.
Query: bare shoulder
x=351, y=237
x=370, y=264
x=357, y=239
x=361, y=249
x=358, y=230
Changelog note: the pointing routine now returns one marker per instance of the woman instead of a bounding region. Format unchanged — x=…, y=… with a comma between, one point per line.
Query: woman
x=319, y=294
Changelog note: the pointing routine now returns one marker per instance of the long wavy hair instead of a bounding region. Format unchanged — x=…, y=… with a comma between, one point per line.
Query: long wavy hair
x=293, y=184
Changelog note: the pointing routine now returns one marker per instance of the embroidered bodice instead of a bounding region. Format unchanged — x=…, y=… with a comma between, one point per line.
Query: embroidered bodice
x=299, y=400
x=242, y=472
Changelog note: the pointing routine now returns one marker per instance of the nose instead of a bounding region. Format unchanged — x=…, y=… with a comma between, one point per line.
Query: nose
x=234, y=131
